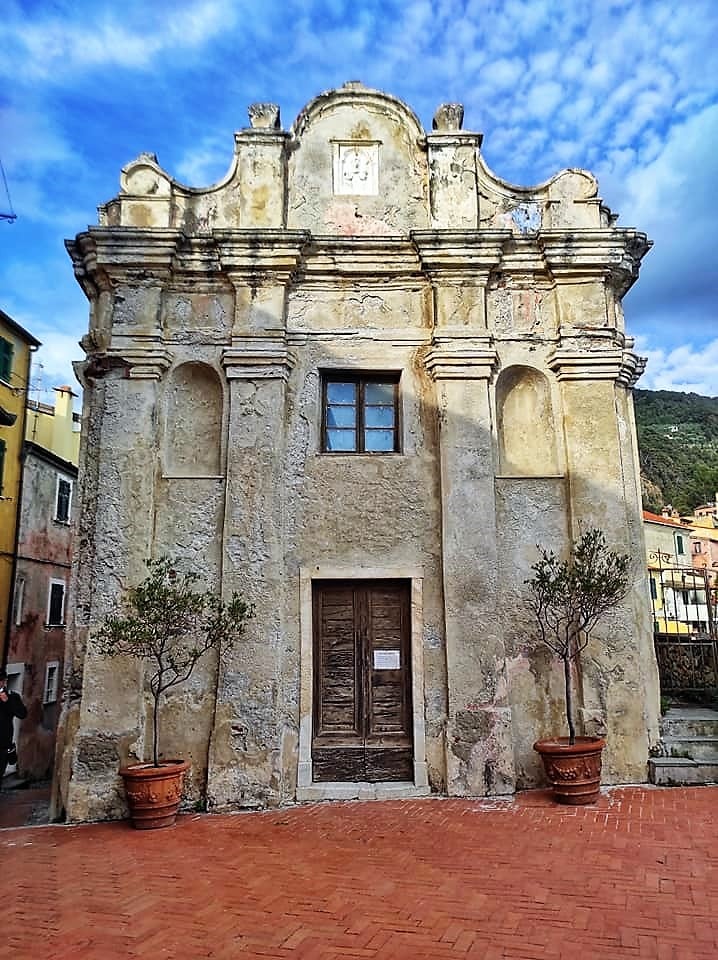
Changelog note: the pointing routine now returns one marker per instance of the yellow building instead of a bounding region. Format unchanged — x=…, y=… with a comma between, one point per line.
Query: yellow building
x=16, y=348
x=55, y=428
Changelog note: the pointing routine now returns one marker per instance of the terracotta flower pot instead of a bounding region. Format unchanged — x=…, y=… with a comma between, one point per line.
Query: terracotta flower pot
x=573, y=770
x=154, y=793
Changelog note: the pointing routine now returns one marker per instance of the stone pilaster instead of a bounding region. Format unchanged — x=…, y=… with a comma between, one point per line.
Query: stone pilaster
x=453, y=193
x=246, y=748
x=262, y=169
x=479, y=751
x=619, y=674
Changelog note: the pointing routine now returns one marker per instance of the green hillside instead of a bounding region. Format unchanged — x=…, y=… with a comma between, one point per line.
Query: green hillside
x=678, y=446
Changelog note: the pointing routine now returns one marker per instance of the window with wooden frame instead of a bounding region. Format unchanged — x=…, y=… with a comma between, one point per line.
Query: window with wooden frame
x=52, y=682
x=360, y=412
x=63, y=500
x=56, y=604
x=6, y=352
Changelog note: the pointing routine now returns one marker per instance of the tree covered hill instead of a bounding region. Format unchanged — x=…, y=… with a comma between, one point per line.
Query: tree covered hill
x=678, y=447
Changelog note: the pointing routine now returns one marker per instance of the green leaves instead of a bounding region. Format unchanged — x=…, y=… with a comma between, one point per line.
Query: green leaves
x=167, y=622
x=569, y=597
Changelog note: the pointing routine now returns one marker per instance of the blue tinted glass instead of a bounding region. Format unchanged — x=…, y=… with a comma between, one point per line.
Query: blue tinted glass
x=376, y=440
x=379, y=416
x=341, y=440
x=341, y=392
x=342, y=417
x=379, y=393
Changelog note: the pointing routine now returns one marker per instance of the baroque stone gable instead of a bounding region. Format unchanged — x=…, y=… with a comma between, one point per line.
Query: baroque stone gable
x=358, y=380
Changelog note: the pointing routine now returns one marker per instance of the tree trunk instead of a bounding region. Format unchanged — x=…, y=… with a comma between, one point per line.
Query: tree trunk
x=569, y=699
x=156, y=731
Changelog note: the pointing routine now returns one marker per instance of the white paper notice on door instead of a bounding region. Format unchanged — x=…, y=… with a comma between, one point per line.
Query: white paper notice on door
x=387, y=660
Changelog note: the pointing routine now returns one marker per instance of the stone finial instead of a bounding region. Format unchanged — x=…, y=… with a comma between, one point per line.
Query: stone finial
x=449, y=117
x=264, y=116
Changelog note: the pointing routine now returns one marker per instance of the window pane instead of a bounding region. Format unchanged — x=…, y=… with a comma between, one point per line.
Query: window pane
x=341, y=416
x=57, y=597
x=379, y=417
x=379, y=393
x=341, y=440
x=376, y=440
x=63, y=500
x=341, y=392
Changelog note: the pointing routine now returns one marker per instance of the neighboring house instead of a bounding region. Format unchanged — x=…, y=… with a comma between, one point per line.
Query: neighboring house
x=357, y=381
x=37, y=634
x=16, y=348
x=707, y=509
x=679, y=596
x=704, y=543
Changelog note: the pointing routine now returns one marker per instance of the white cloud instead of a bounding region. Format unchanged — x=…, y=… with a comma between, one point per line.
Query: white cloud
x=687, y=368
x=41, y=46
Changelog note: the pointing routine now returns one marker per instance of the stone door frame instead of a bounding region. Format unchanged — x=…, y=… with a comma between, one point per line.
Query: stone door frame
x=307, y=789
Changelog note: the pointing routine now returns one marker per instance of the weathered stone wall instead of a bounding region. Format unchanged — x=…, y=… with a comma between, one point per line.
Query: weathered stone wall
x=356, y=242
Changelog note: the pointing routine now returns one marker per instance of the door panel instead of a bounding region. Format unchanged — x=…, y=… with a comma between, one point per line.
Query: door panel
x=362, y=681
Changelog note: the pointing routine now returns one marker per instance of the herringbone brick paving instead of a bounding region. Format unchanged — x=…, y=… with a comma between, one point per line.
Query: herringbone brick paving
x=635, y=876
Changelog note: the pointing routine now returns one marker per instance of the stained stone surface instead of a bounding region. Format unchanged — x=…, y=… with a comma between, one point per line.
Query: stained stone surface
x=355, y=241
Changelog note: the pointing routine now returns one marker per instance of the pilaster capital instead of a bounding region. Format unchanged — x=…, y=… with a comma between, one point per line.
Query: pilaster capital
x=620, y=365
x=258, y=358
x=454, y=358
x=607, y=254
x=146, y=358
x=260, y=256
x=472, y=254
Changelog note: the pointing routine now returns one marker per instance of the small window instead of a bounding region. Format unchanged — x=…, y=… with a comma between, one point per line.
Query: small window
x=18, y=601
x=52, y=681
x=697, y=548
x=2, y=463
x=679, y=543
x=360, y=413
x=56, y=604
x=63, y=500
x=654, y=591
x=5, y=359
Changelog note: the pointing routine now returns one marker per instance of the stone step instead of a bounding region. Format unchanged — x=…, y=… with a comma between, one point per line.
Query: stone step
x=697, y=748
x=690, y=722
x=681, y=771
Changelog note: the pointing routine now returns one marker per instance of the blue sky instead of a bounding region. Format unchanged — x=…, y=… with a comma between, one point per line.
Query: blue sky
x=625, y=88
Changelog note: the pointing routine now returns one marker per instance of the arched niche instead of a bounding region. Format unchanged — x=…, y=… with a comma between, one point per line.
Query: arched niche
x=527, y=432
x=193, y=422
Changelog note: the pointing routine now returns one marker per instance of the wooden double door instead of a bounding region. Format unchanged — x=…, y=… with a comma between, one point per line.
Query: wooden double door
x=362, y=720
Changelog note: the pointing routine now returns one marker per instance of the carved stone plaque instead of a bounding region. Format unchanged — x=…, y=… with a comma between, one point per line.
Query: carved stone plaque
x=356, y=169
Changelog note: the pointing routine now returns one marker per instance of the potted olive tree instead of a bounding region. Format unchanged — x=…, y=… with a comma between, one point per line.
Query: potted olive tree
x=170, y=625
x=568, y=599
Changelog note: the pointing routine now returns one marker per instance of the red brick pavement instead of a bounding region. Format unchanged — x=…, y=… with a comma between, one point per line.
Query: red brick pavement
x=635, y=876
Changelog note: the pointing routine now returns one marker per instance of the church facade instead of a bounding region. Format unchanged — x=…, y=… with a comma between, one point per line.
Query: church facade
x=358, y=381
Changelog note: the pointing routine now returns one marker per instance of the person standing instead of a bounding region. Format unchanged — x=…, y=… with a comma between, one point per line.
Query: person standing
x=11, y=706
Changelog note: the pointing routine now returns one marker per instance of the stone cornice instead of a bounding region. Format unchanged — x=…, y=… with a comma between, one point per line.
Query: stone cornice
x=258, y=358
x=106, y=255
x=454, y=358
x=454, y=138
x=620, y=365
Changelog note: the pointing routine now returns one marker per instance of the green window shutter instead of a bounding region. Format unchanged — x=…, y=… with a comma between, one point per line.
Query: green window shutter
x=2, y=463
x=5, y=359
